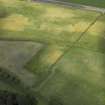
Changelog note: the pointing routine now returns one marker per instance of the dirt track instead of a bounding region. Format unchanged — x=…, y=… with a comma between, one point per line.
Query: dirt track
x=73, y=5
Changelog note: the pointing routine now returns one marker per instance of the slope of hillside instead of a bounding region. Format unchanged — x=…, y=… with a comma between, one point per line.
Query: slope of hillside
x=67, y=51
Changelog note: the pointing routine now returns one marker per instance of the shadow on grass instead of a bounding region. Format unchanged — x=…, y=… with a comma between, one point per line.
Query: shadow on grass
x=102, y=49
x=18, y=97
x=9, y=98
x=55, y=101
x=102, y=43
x=3, y=14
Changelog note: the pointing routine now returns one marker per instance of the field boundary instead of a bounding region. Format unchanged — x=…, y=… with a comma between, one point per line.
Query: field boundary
x=22, y=39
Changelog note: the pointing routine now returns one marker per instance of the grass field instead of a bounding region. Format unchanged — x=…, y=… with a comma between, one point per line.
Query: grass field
x=45, y=24
x=79, y=79
x=79, y=76
x=97, y=3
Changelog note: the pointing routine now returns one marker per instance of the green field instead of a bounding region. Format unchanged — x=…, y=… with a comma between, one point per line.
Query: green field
x=45, y=24
x=96, y=3
x=79, y=79
x=38, y=34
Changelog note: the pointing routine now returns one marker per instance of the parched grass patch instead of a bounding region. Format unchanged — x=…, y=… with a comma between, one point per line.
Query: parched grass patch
x=52, y=54
x=15, y=22
x=54, y=12
x=78, y=27
x=8, y=1
x=78, y=79
x=97, y=29
x=73, y=28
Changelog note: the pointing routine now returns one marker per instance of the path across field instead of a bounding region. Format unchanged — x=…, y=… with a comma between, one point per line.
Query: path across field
x=74, y=5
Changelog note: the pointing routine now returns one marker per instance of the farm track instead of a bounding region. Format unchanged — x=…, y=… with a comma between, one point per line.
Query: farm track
x=52, y=67
x=74, y=5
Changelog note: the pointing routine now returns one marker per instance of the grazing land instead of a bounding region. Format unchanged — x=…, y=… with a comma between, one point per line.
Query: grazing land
x=78, y=79
x=57, y=52
x=45, y=24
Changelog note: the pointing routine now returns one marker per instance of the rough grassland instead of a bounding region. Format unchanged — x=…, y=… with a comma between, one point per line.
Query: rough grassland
x=56, y=27
x=79, y=75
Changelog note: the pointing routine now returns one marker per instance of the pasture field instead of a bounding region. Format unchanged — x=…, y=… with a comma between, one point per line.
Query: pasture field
x=44, y=32
x=96, y=3
x=79, y=79
x=54, y=26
